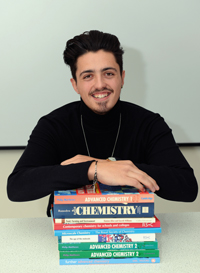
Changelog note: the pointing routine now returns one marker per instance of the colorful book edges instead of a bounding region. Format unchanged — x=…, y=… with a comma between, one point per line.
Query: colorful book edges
x=104, y=220
x=103, y=194
x=86, y=232
x=92, y=254
x=117, y=210
x=106, y=246
x=105, y=225
x=152, y=260
x=109, y=238
x=60, y=226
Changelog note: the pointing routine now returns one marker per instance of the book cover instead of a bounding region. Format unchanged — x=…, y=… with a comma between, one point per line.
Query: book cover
x=109, y=238
x=106, y=246
x=103, y=194
x=57, y=226
x=108, y=254
x=116, y=210
x=86, y=261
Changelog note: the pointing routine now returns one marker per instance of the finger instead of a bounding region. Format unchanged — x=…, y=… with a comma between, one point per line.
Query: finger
x=135, y=183
x=144, y=179
x=144, y=176
x=77, y=159
x=66, y=162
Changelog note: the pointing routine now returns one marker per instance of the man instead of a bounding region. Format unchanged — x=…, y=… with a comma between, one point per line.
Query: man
x=70, y=147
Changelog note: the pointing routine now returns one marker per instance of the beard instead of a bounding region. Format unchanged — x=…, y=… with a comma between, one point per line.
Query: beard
x=102, y=108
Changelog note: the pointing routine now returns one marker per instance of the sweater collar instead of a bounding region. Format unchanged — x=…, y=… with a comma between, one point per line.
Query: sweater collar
x=110, y=119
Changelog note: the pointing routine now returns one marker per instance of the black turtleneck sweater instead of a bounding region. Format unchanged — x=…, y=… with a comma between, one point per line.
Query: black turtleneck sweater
x=144, y=138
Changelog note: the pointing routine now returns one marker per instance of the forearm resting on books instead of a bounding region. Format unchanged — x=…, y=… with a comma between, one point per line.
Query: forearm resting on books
x=117, y=173
x=26, y=184
x=121, y=173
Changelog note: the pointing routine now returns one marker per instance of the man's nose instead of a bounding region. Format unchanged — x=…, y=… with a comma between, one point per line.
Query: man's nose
x=99, y=83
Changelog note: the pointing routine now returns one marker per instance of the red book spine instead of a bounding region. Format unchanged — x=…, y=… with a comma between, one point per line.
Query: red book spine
x=106, y=199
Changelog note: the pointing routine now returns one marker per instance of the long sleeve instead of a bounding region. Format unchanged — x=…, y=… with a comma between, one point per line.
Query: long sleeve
x=31, y=183
x=175, y=184
x=165, y=163
x=38, y=172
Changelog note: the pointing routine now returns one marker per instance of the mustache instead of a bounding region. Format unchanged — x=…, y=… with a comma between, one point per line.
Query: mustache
x=100, y=90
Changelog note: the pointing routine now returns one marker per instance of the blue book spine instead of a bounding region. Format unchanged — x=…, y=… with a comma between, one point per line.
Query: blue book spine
x=109, y=261
x=103, y=210
x=75, y=232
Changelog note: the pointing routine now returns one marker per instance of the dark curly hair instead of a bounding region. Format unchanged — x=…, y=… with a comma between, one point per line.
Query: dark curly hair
x=92, y=40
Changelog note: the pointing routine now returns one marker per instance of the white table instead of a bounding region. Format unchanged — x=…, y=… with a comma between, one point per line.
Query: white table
x=28, y=245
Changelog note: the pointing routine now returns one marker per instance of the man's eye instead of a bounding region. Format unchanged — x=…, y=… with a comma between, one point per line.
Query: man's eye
x=87, y=76
x=109, y=74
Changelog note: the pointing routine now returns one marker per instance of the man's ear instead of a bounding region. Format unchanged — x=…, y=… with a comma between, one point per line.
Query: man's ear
x=73, y=82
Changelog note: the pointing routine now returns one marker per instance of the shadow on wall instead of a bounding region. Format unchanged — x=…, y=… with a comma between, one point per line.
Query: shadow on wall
x=135, y=86
x=179, y=132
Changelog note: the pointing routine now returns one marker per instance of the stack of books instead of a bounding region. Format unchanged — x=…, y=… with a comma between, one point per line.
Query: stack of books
x=105, y=225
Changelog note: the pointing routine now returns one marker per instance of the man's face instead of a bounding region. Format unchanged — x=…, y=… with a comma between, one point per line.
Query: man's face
x=99, y=81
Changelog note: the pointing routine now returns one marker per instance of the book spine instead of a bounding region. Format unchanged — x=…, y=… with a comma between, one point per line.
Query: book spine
x=92, y=254
x=87, y=189
x=104, y=199
x=109, y=238
x=85, y=232
x=105, y=220
x=106, y=211
x=109, y=261
x=106, y=246
x=104, y=226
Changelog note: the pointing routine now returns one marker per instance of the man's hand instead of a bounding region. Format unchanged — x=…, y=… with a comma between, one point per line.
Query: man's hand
x=122, y=173
x=116, y=173
x=78, y=159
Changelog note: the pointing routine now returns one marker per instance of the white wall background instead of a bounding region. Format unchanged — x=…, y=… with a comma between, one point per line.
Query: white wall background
x=162, y=44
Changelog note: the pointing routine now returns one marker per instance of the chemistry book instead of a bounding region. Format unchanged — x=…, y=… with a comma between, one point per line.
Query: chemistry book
x=106, y=246
x=85, y=232
x=105, y=226
x=104, y=220
x=103, y=194
x=86, y=261
x=108, y=254
x=109, y=238
x=115, y=210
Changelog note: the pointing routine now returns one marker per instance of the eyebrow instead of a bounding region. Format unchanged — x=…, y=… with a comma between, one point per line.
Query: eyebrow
x=102, y=70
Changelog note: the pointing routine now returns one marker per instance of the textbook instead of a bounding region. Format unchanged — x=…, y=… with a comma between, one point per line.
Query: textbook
x=105, y=225
x=94, y=254
x=57, y=226
x=86, y=261
x=85, y=232
x=104, y=220
x=103, y=194
x=106, y=246
x=110, y=238
x=116, y=210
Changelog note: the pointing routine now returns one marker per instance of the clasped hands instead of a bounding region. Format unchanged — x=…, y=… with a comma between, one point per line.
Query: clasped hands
x=116, y=173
